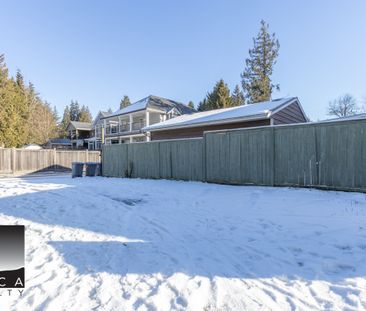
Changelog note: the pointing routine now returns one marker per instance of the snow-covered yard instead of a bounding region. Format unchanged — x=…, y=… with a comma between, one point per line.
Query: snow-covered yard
x=125, y=244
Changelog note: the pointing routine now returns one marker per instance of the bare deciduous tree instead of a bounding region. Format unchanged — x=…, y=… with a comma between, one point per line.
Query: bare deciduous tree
x=343, y=106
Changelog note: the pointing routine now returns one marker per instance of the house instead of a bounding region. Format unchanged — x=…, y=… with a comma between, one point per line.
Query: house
x=279, y=111
x=78, y=132
x=58, y=143
x=95, y=141
x=125, y=125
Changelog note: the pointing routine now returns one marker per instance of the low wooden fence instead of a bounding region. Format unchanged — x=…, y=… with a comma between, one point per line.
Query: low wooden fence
x=14, y=161
x=328, y=155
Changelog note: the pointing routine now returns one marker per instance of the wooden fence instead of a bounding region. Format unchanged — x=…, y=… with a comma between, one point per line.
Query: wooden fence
x=14, y=161
x=325, y=155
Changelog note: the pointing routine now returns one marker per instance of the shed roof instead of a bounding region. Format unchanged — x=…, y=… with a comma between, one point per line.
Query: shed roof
x=262, y=110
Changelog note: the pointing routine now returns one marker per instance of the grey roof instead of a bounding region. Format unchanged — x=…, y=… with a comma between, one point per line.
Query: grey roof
x=105, y=113
x=156, y=102
x=262, y=110
x=81, y=125
x=60, y=141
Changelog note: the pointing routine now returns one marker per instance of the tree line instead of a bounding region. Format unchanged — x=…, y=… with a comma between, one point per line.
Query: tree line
x=24, y=117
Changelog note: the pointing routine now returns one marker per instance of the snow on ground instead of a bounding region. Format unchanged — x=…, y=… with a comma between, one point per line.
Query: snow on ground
x=128, y=244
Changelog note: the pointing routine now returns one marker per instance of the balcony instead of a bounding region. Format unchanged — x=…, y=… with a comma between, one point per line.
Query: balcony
x=138, y=125
x=124, y=127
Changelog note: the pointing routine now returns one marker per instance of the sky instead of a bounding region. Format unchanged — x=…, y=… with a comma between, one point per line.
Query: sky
x=97, y=51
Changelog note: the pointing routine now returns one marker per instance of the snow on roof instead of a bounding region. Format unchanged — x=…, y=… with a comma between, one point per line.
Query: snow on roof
x=260, y=110
x=139, y=105
x=81, y=125
x=153, y=101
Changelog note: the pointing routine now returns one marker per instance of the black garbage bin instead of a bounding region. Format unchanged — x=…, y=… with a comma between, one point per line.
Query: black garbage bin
x=92, y=169
x=77, y=169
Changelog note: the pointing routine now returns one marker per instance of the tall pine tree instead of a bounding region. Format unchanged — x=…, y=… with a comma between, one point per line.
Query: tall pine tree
x=74, y=111
x=64, y=122
x=237, y=97
x=256, y=78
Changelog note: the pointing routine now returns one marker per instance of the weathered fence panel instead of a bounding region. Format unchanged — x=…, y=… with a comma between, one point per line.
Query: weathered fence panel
x=295, y=156
x=145, y=160
x=187, y=159
x=21, y=160
x=114, y=160
x=5, y=160
x=256, y=156
x=342, y=154
x=329, y=154
x=164, y=159
x=240, y=157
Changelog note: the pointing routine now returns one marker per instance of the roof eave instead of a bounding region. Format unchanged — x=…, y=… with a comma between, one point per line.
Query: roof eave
x=225, y=121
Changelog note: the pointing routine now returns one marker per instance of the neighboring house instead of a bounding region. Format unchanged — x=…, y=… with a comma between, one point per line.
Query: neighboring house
x=58, y=143
x=95, y=141
x=32, y=147
x=78, y=132
x=125, y=125
x=279, y=111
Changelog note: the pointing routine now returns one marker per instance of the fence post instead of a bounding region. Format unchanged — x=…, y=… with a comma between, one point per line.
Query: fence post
x=54, y=160
x=204, y=158
x=13, y=160
x=86, y=155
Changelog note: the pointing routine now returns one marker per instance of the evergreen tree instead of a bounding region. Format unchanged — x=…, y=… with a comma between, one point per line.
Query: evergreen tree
x=256, y=78
x=202, y=105
x=74, y=110
x=13, y=110
x=219, y=97
x=64, y=122
x=124, y=102
x=85, y=115
x=24, y=117
x=237, y=98
x=191, y=104
x=55, y=114
x=19, y=79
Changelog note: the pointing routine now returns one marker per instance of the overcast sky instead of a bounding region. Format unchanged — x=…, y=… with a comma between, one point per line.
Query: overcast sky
x=97, y=51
